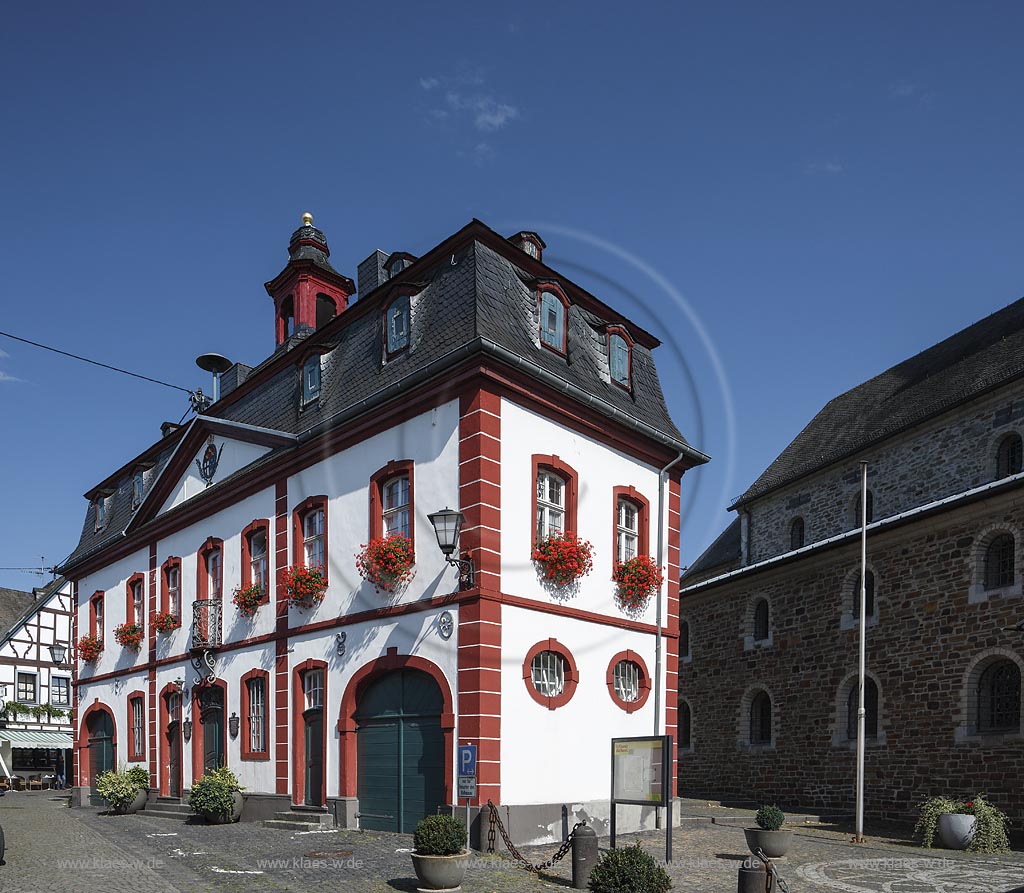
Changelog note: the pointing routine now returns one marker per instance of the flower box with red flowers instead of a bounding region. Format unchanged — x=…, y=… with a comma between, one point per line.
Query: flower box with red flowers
x=638, y=579
x=249, y=599
x=129, y=635
x=165, y=621
x=89, y=648
x=564, y=558
x=387, y=562
x=304, y=586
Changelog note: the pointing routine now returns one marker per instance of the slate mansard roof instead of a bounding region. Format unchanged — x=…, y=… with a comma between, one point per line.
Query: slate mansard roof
x=960, y=368
x=475, y=294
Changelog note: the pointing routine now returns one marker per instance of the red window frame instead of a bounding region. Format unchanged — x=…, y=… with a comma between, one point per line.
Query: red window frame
x=256, y=526
x=136, y=756
x=246, y=751
x=202, y=587
x=571, y=478
x=643, y=521
x=96, y=630
x=165, y=592
x=643, y=689
x=572, y=674
x=394, y=468
x=298, y=516
x=556, y=290
x=129, y=610
x=624, y=335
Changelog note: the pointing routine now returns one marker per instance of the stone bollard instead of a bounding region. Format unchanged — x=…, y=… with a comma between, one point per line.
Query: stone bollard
x=584, y=856
x=753, y=876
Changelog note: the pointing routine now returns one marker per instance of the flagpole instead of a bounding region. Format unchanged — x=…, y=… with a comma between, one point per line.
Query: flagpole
x=861, y=715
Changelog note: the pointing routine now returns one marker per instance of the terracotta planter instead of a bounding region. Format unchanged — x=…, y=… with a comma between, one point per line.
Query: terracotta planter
x=774, y=844
x=956, y=831
x=441, y=872
x=216, y=818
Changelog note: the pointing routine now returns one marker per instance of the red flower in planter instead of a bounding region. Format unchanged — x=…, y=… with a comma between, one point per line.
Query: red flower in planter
x=248, y=600
x=564, y=557
x=304, y=586
x=386, y=562
x=89, y=649
x=638, y=579
x=165, y=621
x=129, y=635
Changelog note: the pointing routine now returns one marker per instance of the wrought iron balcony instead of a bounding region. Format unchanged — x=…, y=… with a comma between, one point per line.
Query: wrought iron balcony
x=206, y=624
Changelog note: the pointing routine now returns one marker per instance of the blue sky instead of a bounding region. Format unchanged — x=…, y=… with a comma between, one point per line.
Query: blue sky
x=822, y=190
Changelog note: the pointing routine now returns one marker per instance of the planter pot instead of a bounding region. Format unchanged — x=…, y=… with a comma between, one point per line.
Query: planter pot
x=130, y=808
x=956, y=831
x=216, y=818
x=441, y=872
x=773, y=844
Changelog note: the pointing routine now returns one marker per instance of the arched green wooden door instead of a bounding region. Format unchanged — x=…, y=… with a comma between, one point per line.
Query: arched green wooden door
x=101, y=751
x=399, y=751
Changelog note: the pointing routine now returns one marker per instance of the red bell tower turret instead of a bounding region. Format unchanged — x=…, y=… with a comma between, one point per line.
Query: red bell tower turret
x=308, y=292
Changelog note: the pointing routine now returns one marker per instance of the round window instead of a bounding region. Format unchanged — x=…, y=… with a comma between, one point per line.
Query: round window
x=548, y=673
x=627, y=680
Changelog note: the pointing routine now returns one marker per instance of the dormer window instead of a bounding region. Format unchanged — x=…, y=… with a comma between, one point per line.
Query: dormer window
x=528, y=242
x=138, y=487
x=100, y=511
x=530, y=248
x=619, y=351
x=552, y=321
x=311, y=379
x=397, y=325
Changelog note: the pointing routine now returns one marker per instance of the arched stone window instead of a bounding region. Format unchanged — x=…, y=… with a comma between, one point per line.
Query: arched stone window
x=857, y=512
x=999, y=562
x=757, y=626
x=844, y=729
x=761, y=719
x=995, y=564
x=757, y=720
x=850, y=598
x=685, y=726
x=796, y=534
x=761, y=620
x=991, y=697
x=684, y=641
x=1009, y=456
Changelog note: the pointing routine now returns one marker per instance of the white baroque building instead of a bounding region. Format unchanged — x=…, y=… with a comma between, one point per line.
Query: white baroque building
x=474, y=378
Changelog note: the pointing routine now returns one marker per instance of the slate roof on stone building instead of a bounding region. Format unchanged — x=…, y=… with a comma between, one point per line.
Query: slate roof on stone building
x=471, y=298
x=983, y=356
x=723, y=551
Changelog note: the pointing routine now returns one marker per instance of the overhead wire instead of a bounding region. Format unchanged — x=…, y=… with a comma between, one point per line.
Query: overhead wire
x=96, y=363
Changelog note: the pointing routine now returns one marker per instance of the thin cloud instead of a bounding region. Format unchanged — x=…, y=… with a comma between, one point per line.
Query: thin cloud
x=904, y=90
x=487, y=113
x=827, y=168
x=3, y=354
x=462, y=105
x=429, y=83
x=5, y=377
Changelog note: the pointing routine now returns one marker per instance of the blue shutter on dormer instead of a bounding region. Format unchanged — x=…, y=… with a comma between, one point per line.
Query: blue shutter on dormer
x=552, y=320
x=311, y=379
x=618, y=354
x=398, y=325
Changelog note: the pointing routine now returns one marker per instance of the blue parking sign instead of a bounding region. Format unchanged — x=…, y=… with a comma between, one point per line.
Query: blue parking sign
x=467, y=760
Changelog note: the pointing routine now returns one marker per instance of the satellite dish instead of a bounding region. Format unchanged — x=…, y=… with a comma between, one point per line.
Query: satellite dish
x=217, y=364
x=214, y=362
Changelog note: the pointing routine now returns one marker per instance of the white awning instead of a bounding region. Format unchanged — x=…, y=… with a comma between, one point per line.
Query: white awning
x=20, y=738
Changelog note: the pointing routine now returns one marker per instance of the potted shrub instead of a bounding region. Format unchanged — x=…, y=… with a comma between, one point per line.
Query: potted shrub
x=125, y=792
x=89, y=649
x=638, y=579
x=628, y=869
x=768, y=836
x=165, y=621
x=128, y=635
x=974, y=825
x=304, y=586
x=439, y=854
x=248, y=600
x=387, y=562
x=563, y=558
x=217, y=797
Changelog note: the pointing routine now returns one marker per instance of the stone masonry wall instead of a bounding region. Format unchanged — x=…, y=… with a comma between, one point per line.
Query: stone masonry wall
x=948, y=455
x=921, y=650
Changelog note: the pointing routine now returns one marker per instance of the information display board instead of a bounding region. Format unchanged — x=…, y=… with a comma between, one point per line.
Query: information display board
x=640, y=770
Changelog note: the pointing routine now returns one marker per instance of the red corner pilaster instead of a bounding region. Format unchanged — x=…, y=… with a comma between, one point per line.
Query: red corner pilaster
x=152, y=699
x=282, y=754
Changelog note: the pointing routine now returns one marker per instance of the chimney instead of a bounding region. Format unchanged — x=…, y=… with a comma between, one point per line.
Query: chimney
x=308, y=292
x=371, y=272
x=234, y=376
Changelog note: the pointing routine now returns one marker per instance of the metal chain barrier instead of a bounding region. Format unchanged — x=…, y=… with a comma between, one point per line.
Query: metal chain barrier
x=495, y=821
x=771, y=874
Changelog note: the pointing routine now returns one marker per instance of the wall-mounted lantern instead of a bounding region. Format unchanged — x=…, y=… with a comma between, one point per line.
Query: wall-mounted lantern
x=186, y=730
x=57, y=653
x=447, y=527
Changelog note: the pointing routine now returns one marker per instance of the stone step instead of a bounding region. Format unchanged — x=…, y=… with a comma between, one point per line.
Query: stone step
x=293, y=826
x=302, y=817
x=168, y=809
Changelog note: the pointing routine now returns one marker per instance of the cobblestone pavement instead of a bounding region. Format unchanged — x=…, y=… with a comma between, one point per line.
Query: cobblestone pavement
x=53, y=849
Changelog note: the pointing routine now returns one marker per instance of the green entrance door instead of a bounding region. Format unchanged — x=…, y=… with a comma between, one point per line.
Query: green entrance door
x=101, y=751
x=399, y=751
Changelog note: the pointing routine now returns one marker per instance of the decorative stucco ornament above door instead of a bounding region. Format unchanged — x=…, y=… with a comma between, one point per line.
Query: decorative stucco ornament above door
x=211, y=459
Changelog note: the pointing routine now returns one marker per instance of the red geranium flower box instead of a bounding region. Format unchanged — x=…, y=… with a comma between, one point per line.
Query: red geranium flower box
x=89, y=649
x=165, y=621
x=304, y=586
x=564, y=558
x=386, y=562
x=129, y=635
x=248, y=600
x=638, y=579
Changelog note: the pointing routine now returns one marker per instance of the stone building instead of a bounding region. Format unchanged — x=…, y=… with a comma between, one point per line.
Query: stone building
x=769, y=613
x=474, y=378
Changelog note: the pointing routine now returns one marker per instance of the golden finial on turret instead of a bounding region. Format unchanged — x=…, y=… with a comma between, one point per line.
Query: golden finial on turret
x=307, y=219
